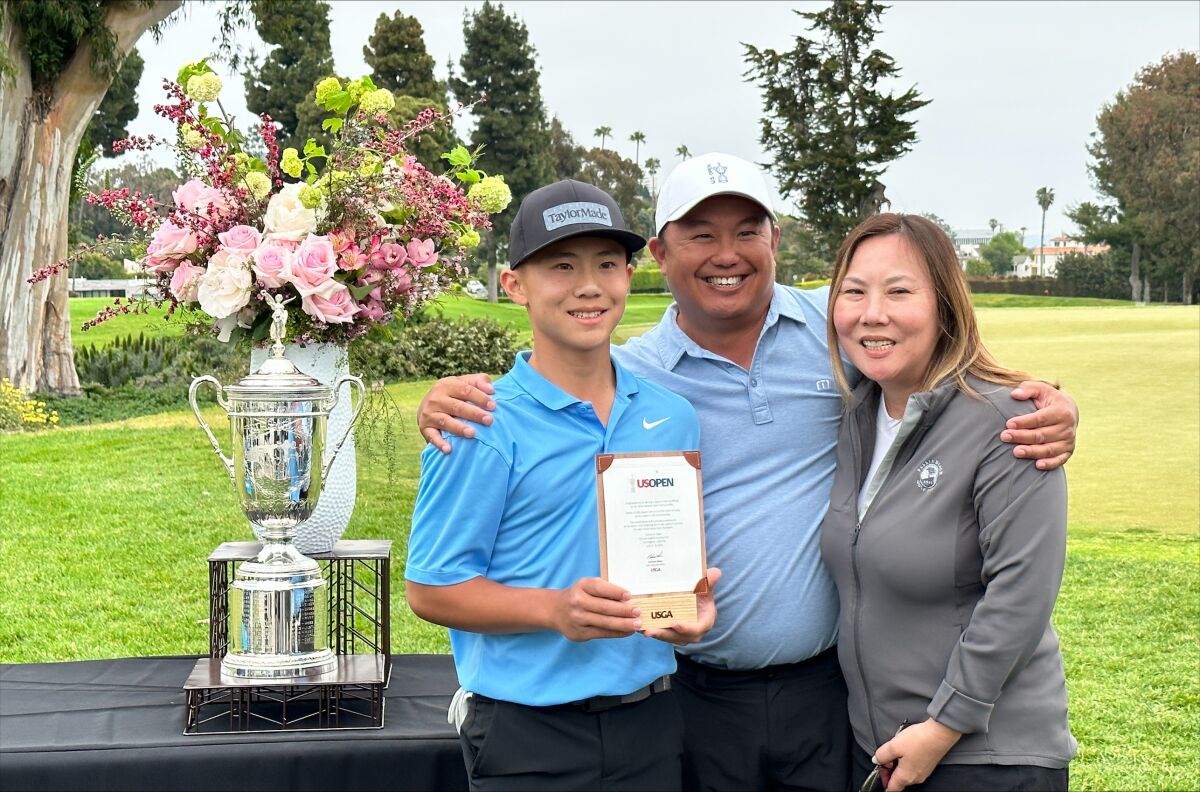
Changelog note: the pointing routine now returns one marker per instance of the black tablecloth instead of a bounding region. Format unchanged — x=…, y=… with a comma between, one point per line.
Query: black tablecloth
x=118, y=724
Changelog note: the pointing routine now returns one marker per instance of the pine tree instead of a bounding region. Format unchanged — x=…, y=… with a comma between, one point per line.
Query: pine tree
x=831, y=129
x=398, y=59
x=499, y=63
x=299, y=29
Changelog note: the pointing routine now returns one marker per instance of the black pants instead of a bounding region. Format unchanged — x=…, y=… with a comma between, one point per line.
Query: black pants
x=777, y=728
x=514, y=747
x=977, y=778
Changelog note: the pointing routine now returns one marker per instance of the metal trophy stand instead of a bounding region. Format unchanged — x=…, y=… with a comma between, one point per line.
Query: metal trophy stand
x=273, y=662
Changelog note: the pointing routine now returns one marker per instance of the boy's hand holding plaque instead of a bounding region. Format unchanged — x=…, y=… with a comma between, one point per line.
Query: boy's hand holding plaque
x=652, y=532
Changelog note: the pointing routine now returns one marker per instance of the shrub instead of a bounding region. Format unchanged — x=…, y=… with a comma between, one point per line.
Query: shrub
x=648, y=280
x=158, y=360
x=18, y=411
x=97, y=266
x=978, y=268
x=434, y=347
x=1080, y=275
x=1013, y=285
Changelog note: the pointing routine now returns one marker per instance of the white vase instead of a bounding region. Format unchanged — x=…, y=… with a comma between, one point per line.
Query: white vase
x=325, y=362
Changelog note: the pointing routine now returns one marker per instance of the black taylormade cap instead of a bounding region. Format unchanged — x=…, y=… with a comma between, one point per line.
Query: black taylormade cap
x=567, y=209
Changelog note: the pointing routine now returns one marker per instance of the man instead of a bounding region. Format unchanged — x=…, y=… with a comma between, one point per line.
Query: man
x=762, y=695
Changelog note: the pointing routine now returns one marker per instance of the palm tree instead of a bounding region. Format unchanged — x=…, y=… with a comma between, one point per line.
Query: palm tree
x=637, y=138
x=682, y=152
x=1045, y=197
x=993, y=224
x=652, y=166
x=603, y=133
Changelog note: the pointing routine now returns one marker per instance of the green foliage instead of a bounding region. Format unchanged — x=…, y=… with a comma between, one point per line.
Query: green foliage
x=1147, y=159
x=979, y=268
x=301, y=56
x=999, y=251
x=799, y=257
x=148, y=361
x=1030, y=286
x=140, y=174
x=120, y=105
x=54, y=30
x=398, y=59
x=1098, y=275
x=97, y=266
x=499, y=62
x=648, y=279
x=829, y=127
x=434, y=347
x=622, y=179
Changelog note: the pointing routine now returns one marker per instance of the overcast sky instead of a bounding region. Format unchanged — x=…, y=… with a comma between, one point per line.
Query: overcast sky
x=1015, y=86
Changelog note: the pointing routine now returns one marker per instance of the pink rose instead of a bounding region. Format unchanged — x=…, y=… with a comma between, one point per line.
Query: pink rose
x=313, y=265
x=169, y=244
x=186, y=195
x=389, y=256
x=272, y=264
x=422, y=253
x=185, y=281
x=331, y=303
x=241, y=237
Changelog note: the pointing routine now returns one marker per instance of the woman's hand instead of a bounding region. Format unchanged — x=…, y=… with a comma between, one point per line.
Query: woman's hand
x=914, y=752
x=1048, y=434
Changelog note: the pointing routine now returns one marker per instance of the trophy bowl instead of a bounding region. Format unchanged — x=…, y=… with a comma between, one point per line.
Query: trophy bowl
x=279, y=603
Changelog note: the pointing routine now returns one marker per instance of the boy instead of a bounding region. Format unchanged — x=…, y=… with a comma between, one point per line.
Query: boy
x=561, y=690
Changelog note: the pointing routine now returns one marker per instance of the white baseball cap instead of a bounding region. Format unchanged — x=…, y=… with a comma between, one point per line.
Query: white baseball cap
x=702, y=177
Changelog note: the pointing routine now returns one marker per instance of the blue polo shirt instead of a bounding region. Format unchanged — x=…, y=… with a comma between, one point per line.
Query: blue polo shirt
x=518, y=507
x=768, y=442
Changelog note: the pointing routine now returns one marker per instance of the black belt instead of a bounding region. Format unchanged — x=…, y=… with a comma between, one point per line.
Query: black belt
x=601, y=703
x=816, y=663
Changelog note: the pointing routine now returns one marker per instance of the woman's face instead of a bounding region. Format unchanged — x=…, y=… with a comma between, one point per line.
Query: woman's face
x=885, y=314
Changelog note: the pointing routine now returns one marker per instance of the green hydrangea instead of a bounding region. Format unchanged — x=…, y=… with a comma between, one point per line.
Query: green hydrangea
x=310, y=197
x=258, y=183
x=327, y=88
x=490, y=194
x=356, y=89
x=291, y=164
x=204, y=87
x=241, y=162
x=377, y=101
x=193, y=138
x=468, y=239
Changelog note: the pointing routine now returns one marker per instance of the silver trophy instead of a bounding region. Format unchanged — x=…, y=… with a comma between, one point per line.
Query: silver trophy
x=278, y=610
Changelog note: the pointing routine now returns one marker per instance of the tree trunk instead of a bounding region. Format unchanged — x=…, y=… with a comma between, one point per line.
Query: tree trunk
x=1187, y=287
x=42, y=129
x=493, y=278
x=1135, y=277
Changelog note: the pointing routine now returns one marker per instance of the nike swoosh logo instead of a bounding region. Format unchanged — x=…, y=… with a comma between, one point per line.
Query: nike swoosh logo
x=651, y=424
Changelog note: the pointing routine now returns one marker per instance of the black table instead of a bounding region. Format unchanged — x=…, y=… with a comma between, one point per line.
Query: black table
x=118, y=724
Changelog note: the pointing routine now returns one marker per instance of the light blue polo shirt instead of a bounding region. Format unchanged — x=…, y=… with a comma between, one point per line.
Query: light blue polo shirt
x=518, y=506
x=768, y=441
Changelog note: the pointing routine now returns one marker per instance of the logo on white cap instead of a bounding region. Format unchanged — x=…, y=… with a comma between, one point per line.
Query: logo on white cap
x=576, y=212
x=716, y=173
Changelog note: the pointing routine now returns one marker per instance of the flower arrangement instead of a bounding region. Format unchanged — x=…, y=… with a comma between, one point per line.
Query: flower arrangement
x=357, y=235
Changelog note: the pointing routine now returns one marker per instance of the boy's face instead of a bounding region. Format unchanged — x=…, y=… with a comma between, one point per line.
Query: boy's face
x=574, y=291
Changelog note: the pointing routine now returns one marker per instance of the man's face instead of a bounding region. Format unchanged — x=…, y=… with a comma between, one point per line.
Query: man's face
x=719, y=260
x=574, y=291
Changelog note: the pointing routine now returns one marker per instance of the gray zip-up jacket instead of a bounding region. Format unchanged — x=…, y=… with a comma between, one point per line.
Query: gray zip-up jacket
x=948, y=578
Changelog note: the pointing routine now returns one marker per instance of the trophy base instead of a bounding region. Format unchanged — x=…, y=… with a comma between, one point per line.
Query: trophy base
x=290, y=666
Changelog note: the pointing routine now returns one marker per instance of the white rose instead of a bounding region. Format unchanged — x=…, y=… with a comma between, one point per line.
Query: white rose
x=287, y=218
x=226, y=286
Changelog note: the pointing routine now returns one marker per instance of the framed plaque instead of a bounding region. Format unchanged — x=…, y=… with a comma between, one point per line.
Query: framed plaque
x=652, y=531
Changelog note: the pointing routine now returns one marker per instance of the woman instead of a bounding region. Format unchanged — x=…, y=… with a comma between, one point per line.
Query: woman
x=947, y=551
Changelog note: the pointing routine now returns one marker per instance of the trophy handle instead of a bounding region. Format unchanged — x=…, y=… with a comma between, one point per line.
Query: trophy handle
x=362, y=399
x=196, y=383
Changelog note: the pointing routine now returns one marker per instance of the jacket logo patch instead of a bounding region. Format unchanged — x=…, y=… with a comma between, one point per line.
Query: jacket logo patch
x=929, y=474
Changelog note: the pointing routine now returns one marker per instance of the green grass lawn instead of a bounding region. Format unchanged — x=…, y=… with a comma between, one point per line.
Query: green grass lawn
x=106, y=528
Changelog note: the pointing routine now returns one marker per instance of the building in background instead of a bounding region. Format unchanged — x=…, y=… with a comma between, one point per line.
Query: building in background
x=1042, y=262
x=967, y=242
